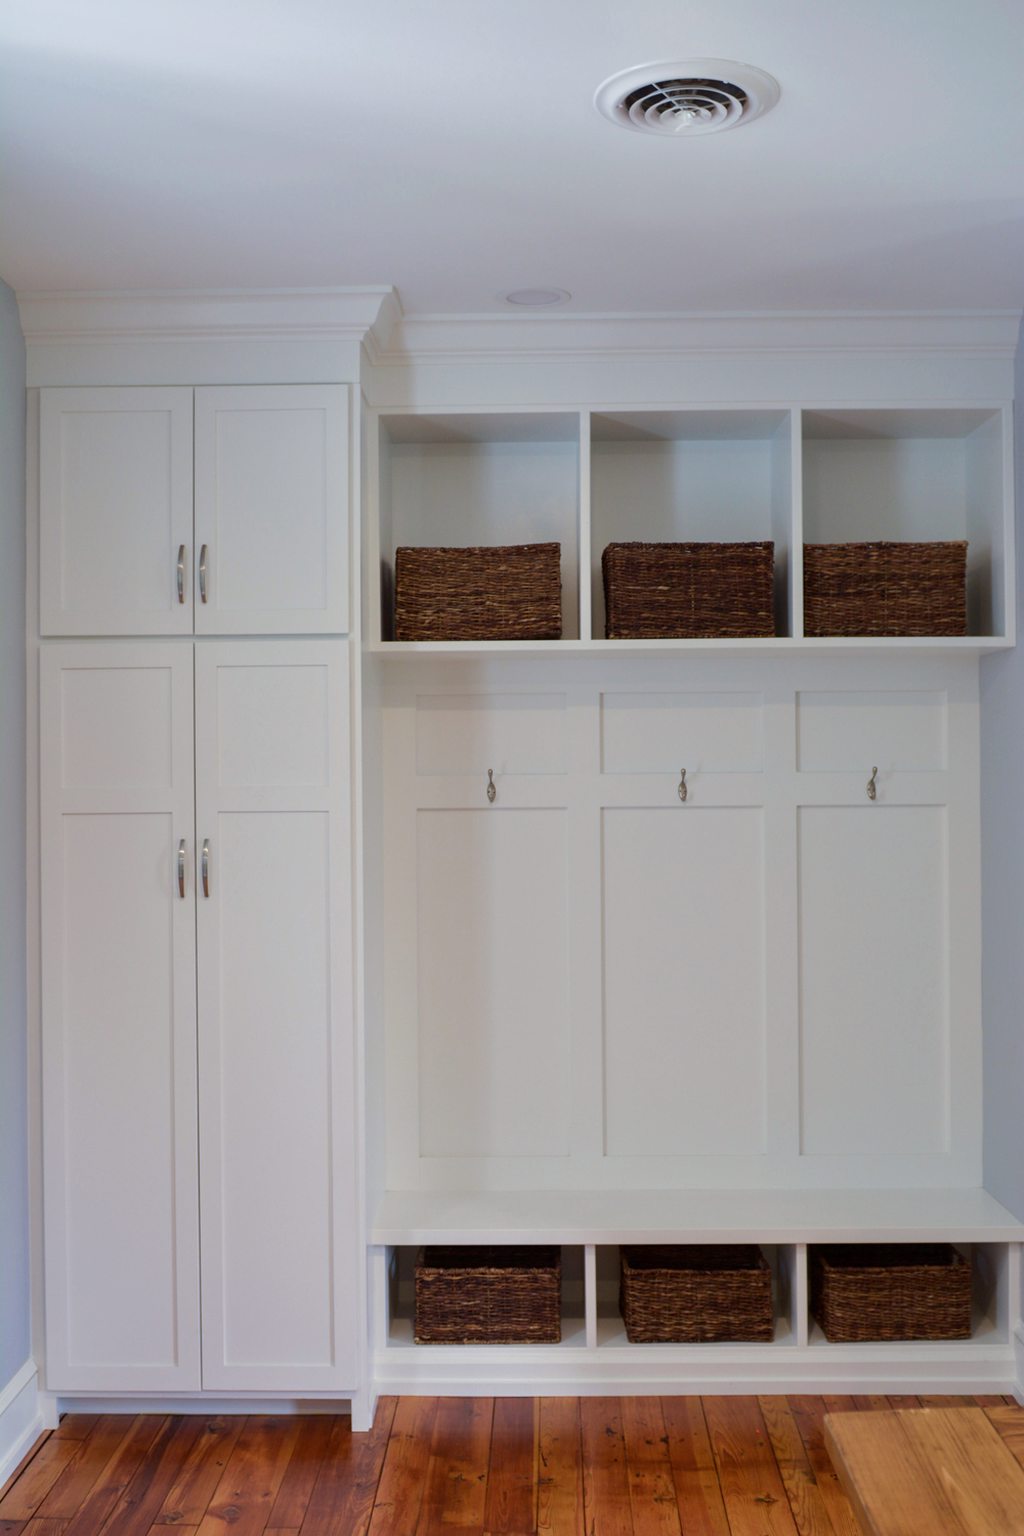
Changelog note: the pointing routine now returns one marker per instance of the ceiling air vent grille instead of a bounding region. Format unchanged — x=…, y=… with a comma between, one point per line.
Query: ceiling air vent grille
x=683, y=100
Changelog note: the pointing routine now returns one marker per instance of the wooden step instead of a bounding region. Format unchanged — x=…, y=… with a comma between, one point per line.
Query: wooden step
x=927, y=1472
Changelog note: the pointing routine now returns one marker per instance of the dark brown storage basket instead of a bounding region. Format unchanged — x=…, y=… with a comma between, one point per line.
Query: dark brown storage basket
x=867, y=1291
x=489, y=1296
x=509, y=592
x=696, y=1294
x=688, y=591
x=885, y=589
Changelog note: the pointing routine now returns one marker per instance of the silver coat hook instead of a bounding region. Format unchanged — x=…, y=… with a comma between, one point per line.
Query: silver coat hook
x=872, y=789
x=682, y=791
x=492, y=793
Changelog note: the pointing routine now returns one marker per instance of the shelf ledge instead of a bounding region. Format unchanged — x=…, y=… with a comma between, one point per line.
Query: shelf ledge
x=407, y=1217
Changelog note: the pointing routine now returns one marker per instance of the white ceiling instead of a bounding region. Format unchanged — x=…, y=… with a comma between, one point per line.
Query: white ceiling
x=451, y=147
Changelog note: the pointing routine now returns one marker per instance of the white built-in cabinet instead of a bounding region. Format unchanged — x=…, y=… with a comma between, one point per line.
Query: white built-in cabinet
x=205, y=866
x=170, y=511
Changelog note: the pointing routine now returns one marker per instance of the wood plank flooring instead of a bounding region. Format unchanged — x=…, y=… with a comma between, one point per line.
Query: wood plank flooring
x=597, y=1466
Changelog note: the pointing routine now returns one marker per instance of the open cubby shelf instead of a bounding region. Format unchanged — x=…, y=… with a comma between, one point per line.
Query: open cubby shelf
x=594, y=1350
x=793, y=474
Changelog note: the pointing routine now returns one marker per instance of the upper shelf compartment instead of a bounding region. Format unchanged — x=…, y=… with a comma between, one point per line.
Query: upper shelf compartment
x=662, y=476
x=917, y=475
x=790, y=474
x=486, y=478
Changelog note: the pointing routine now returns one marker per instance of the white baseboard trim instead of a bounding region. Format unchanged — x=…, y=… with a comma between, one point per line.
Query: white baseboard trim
x=199, y=1404
x=21, y=1418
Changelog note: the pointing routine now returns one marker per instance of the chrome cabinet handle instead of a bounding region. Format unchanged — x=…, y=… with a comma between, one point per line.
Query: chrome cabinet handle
x=181, y=573
x=181, y=869
x=682, y=791
x=205, y=866
x=202, y=573
x=871, y=786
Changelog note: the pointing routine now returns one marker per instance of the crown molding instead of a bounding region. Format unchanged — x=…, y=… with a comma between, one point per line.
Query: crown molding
x=265, y=314
x=485, y=337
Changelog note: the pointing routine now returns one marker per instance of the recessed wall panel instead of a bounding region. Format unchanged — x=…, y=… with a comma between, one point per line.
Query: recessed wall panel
x=662, y=732
x=684, y=981
x=874, y=979
x=509, y=732
x=897, y=730
x=493, y=988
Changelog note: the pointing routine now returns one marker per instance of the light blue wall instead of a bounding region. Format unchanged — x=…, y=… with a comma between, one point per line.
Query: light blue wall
x=14, y=1288
x=1002, y=855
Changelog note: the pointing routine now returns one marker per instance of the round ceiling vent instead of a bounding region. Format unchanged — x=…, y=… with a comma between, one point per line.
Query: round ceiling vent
x=682, y=100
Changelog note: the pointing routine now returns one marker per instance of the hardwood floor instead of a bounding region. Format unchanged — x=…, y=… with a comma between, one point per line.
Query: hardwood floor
x=642, y=1466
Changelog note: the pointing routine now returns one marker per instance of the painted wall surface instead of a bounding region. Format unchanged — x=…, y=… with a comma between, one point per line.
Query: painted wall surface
x=1002, y=862
x=14, y=1262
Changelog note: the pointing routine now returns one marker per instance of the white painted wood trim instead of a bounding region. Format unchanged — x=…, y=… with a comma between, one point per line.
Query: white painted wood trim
x=209, y=314
x=207, y=1403
x=21, y=1418
x=1017, y=1387
x=433, y=337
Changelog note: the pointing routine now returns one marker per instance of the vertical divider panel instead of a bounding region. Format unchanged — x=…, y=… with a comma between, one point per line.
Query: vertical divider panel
x=585, y=926
x=1013, y=1287
x=584, y=533
x=1008, y=531
x=590, y=1293
x=371, y=575
x=800, y=1297
x=796, y=551
x=782, y=976
x=402, y=1066
x=782, y=522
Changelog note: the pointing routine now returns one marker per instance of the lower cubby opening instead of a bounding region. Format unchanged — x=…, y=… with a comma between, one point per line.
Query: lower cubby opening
x=993, y=1283
x=401, y=1304
x=611, y=1328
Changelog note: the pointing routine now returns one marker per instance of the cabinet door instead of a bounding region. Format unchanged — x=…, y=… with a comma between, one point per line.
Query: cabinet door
x=115, y=511
x=119, y=1024
x=277, y=1133
x=272, y=510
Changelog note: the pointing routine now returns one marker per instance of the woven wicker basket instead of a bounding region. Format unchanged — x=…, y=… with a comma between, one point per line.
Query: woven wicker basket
x=891, y=1291
x=670, y=1295
x=488, y=1296
x=688, y=591
x=885, y=589
x=509, y=592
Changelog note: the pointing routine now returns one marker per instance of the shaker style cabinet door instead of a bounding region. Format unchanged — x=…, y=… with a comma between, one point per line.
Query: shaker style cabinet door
x=119, y=1019
x=115, y=511
x=277, y=1134
x=272, y=510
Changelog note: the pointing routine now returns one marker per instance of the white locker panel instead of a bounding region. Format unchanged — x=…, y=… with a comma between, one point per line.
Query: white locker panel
x=899, y=730
x=684, y=980
x=277, y=1132
x=119, y=1023
x=272, y=497
x=874, y=979
x=493, y=990
x=509, y=732
x=115, y=511
x=659, y=732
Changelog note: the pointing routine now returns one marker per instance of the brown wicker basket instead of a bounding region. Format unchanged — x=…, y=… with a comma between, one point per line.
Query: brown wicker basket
x=688, y=591
x=509, y=592
x=503, y=1295
x=675, y=1294
x=885, y=1291
x=885, y=589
